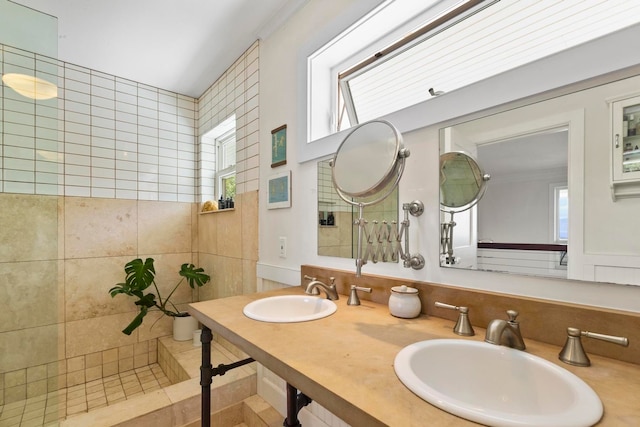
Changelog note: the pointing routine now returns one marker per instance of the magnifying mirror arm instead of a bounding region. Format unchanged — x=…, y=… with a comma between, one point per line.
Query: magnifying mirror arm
x=415, y=261
x=359, y=261
x=446, y=240
x=368, y=146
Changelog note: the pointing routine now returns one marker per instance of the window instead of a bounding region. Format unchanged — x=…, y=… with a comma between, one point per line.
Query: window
x=469, y=42
x=362, y=32
x=225, y=176
x=561, y=214
x=218, y=161
x=342, y=44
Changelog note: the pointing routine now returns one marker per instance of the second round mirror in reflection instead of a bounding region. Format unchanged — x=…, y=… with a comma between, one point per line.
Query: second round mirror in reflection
x=462, y=182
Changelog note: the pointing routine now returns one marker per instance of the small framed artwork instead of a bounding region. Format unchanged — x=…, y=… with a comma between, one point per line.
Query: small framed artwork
x=279, y=146
x=279, y=194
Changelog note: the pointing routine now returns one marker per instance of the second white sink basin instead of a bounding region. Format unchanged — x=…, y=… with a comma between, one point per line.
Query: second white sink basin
x=289, y=308
x=496, y=385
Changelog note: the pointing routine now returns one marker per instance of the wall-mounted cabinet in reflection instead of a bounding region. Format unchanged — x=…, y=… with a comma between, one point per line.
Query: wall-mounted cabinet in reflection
x=625, y=169
x=337, y=235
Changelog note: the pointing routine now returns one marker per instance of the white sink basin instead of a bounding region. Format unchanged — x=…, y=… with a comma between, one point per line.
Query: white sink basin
x=289, y=308
x=496, y=385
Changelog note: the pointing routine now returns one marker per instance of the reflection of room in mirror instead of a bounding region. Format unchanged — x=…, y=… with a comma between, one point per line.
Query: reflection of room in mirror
x=523, y=217
x=518, y=205
x=339, y=240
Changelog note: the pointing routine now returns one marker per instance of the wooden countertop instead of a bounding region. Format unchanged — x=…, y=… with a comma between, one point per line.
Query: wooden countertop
x=345, y=361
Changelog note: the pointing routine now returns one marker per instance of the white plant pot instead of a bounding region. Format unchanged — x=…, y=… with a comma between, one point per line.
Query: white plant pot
x=183, y=328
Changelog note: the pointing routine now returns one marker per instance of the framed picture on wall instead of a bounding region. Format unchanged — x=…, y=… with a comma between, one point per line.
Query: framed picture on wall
x=279, y=194
x=279, y=146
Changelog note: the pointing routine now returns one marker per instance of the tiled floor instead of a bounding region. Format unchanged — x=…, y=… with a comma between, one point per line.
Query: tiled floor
x=47, y=410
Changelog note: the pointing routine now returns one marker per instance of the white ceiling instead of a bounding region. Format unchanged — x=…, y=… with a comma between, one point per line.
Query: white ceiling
x=179, y=45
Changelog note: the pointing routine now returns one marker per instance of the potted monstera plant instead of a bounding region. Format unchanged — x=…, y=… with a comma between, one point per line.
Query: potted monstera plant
x=140, y=283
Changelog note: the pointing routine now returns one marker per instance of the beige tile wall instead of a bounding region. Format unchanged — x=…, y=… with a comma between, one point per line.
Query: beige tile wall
x=341, y=240
x=57, y=318
x=337, y=240
x=168, y=362
x=228, y=248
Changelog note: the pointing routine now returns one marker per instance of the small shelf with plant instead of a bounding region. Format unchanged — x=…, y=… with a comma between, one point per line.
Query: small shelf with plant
x=140, y=283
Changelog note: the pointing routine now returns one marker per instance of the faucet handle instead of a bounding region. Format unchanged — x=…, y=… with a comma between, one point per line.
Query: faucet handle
x=512, y=315
x=463, y=325
x=353, y=296
x=573, y=353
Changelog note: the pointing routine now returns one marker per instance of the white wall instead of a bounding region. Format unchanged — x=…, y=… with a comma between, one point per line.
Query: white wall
x=513, y=201
x=280, y=58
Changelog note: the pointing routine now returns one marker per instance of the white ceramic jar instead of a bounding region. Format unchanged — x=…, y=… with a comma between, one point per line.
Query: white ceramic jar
x=404, y=302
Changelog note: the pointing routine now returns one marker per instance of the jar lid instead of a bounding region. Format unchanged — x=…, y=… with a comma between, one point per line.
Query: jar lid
x=404, y=290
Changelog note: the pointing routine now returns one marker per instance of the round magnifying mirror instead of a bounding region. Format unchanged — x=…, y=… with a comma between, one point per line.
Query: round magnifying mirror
x=369, y=163
x=462, y=182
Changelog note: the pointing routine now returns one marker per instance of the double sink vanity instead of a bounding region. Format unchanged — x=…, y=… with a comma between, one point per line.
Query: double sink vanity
x=373, y=369
x=368, y=367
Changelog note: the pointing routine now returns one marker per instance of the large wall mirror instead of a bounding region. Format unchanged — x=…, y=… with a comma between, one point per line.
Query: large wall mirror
x=337, y=234
x=548, y=209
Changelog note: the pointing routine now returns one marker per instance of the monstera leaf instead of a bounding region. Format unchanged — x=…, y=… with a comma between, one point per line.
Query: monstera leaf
x=140, y=275
x=195, y=276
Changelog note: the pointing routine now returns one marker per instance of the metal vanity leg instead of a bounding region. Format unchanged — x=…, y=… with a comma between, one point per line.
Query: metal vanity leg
x=207, y=372
x=295, y=402
x=206, y=377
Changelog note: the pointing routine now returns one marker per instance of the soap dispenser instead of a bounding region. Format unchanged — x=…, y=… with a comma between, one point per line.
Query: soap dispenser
x=331, y=220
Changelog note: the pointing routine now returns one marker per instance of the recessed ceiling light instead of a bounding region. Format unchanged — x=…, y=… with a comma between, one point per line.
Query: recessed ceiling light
x=29, y=86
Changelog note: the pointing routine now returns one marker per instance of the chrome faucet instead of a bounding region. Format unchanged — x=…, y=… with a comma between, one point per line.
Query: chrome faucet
x=505, y=332
x=313, y=285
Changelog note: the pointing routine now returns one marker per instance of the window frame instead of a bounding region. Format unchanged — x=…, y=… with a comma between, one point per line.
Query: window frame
x=209, y=157
x=440, y=23
x=571, y=66
x=224, y=173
